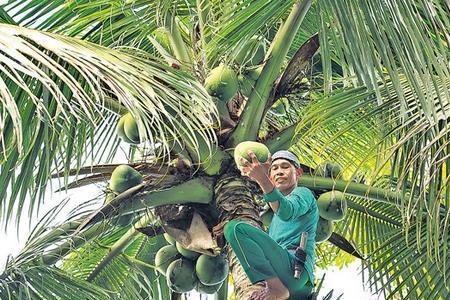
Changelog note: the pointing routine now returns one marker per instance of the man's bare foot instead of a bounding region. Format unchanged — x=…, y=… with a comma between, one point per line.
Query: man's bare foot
x=274, y=290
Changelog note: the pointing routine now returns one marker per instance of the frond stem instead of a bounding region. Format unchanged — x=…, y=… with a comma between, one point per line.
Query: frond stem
x=253, y=114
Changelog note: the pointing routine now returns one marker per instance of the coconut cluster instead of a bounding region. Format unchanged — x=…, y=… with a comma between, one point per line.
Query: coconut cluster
x=332, y=205
x=332, y=208
x=186, y=270
x=224, y=81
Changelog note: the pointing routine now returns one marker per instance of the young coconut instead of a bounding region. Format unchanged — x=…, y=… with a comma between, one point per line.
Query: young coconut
x=189, y=254
x=208, y=289
x=324, y=230
x=169, y=238
x=164, y=257
x=211, y=270
x=181, y=276
x=247, y=80
x=329, y=169
x=124, y=177
x=246, y=85
x=252, y=53
x=261, y=151
x=222, y=83
x=127, y=129
x=332, y=205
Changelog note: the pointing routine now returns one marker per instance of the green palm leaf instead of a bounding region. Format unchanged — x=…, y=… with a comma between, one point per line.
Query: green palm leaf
x=72, y=76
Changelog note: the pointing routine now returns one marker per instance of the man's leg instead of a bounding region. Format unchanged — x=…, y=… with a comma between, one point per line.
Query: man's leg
x=261, y=257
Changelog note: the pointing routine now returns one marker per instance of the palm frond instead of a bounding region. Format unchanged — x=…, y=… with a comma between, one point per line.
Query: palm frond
x=376, y=140
x=128, y=272
x=234, y=24
x=370, y=39
x=72, y=75
x=26, y=276
x=396, y=264
x=44, y=282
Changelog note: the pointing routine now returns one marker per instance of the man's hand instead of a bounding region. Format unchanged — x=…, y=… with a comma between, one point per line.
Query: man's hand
x=254, y=167
x=258, y=171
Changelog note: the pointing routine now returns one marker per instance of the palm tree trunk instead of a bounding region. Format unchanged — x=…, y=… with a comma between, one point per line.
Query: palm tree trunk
x=235, y=199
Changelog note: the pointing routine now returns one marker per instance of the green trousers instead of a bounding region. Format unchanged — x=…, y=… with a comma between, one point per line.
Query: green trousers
x=262, y=258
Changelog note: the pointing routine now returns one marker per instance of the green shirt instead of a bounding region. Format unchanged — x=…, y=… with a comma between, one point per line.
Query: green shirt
x=297, y=212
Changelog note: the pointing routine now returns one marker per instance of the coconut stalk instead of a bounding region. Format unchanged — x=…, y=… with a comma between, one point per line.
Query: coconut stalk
x=235, y=199
x=73, y=243
x=197, y=190
x=120, y=245
x=109, y=168
x=350, y=188
x=253, y=114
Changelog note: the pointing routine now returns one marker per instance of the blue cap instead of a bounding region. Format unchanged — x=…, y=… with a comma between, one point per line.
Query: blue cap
x=287, y=155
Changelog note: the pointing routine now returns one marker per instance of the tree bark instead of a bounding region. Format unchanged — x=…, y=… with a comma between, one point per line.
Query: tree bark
x=235, y=199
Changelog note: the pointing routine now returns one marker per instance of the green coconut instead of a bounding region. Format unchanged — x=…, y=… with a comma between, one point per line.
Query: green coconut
x=131, y=129
x=252, y=53
x=261, y=151
x=329, y=169
x=165, y=256
x=169, y=238
x=124, y=177
x=324, y=230
x=127, y=129
x=121, y=132
x=181, y=276
x=208, y=289
x=189, y=254
x=211, y=270
x=280, y=107
x=332, y=205
x=222, y=83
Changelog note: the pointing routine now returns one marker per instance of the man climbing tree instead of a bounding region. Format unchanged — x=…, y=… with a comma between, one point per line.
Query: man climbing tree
x=271, y=257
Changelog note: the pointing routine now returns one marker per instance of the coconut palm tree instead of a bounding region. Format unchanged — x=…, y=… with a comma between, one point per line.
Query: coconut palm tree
x=372, y=97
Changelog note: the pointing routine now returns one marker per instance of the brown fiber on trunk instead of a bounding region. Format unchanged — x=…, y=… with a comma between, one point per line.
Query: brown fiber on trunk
x=235, y=200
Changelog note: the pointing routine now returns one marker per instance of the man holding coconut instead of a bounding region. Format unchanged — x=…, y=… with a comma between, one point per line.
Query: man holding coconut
x=270, y=257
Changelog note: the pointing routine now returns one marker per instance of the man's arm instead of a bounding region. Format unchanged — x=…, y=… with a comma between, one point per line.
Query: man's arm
x=296, y=204
x=259, y=173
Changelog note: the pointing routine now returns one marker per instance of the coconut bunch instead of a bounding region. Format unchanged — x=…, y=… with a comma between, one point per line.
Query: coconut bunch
x=186, y=270
x=332, y=204
x=332, y=208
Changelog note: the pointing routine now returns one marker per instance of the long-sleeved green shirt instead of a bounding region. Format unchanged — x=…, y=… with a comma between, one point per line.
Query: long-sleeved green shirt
x=297, y=212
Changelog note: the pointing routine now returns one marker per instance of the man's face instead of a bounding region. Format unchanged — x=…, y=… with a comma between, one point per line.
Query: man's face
x=284, y=175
